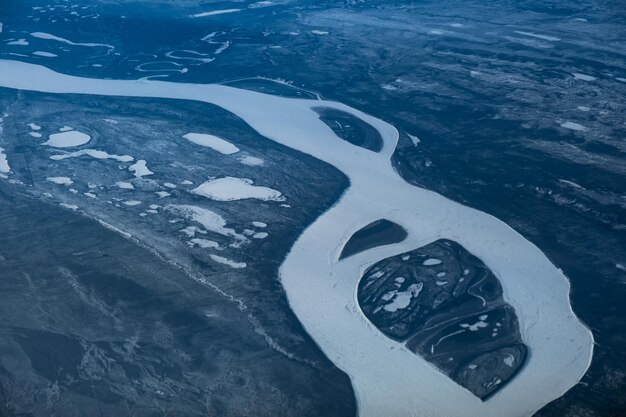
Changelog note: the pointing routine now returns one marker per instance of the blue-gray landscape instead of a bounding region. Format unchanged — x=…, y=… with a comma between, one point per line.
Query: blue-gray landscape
x=329, y=209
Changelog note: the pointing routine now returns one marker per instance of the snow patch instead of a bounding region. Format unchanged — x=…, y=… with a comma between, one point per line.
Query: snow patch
x=401, y=299
x=215, y=12
x=217, y=144
x=208, y=219
x=67, y=139
x=230, y=189
x=94, y=154
x=573, y=126
x=538, y=36
x=414, y=139
x=584, y=77
x=45, y=54
x=60, y=180
x=251, y=161
x=48, y=36
x=204, y=243
x=19, y=42
x=226, y=261
x=140, y=169
x=124, y=185
x=4, y=163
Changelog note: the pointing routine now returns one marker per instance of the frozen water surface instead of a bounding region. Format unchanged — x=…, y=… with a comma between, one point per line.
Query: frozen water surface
x=67, y=139
x=229, y=189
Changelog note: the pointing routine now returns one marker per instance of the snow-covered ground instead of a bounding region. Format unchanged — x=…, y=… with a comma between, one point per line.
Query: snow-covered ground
x=388, y=379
